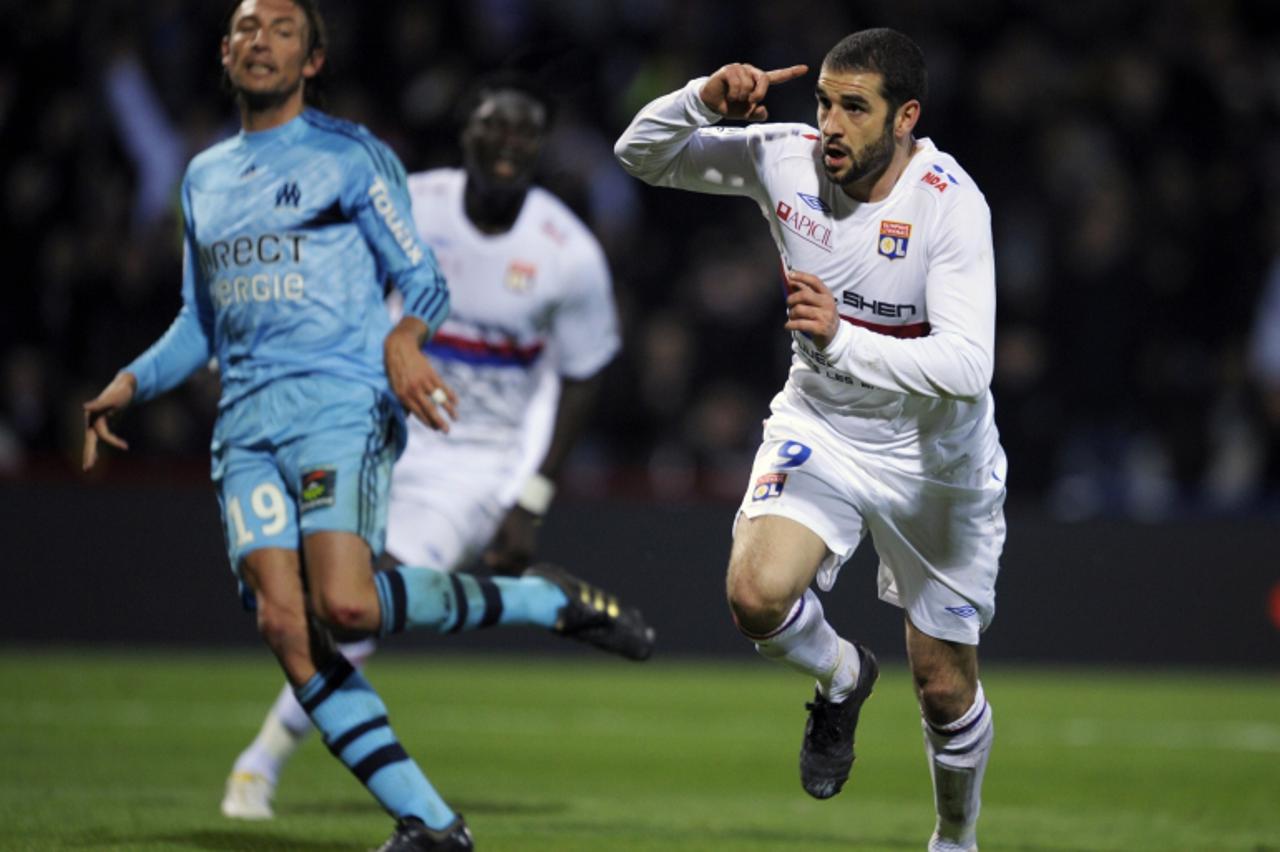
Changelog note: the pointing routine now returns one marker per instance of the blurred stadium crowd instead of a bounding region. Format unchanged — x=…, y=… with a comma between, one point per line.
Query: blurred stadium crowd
x=1130, y=153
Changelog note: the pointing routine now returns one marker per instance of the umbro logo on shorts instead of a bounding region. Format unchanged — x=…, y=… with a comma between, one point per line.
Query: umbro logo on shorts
x=963, y=611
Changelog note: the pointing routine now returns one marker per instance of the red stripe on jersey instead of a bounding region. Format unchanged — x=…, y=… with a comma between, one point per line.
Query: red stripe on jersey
x=910, y=330
x=519, y=354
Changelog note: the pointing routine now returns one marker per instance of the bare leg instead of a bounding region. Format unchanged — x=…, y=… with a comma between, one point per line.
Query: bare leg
x=958, y=731
x=774, y=559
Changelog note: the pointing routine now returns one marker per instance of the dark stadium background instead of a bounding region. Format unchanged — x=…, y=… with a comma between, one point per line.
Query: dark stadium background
x=1130, y=153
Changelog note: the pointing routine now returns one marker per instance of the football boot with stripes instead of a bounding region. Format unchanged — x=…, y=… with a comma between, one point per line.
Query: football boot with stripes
x=595, y=616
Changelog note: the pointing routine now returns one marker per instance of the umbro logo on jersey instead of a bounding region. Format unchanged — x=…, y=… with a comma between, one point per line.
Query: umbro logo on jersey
x=814, y=202
x=892, y=242
x=288, y=195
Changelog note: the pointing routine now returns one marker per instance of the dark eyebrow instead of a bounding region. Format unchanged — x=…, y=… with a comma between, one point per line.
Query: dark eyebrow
x=848, y=99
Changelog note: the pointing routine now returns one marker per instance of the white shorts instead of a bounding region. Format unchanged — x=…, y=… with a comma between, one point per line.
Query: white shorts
x=939, y=544
x=447, y=500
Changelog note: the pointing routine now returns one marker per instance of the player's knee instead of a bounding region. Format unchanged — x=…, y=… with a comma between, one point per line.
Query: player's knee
x=757, y=604
x=280, y=627
x=347, y=615
x=944, y=696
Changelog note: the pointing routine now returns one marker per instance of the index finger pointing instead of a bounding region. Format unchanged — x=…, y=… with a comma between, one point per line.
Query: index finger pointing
x=782, y=75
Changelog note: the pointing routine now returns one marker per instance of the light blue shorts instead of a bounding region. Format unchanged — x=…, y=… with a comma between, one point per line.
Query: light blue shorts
x=305, y=455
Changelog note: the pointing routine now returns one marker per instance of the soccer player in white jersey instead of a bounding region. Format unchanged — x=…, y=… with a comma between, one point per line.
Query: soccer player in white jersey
x=531, y=328
x=885, y=424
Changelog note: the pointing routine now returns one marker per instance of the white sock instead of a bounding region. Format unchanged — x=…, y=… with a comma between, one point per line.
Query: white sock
x=277, y=740
x=287, y=724
x=807, y=643
x=958, y=753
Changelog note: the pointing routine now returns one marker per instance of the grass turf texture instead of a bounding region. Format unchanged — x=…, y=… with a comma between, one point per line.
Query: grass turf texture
x=129, y=750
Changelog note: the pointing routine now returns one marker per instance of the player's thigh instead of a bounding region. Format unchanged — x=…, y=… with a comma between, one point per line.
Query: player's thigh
x=797, y=514
x=939, y=548
x=341, y=478
x=444, y=527
x=339, y=568
x=274, y=575
x=446, y=498
x=258, y=509
x=772, y=561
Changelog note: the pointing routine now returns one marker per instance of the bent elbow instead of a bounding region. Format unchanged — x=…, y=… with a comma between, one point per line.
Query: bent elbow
x=974, y=370
x=629, y=156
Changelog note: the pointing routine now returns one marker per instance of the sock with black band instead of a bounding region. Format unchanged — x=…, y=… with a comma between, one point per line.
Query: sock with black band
x=353, y=721
x=443, y=602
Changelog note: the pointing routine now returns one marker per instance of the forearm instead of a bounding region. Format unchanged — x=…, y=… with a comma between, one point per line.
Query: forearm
x=652, y=145
x=182, y=350
x=577, y=399
x=945, y=364
x=426, y=298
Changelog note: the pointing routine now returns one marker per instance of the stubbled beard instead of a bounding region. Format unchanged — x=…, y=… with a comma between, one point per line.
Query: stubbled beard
x=261, y=101
x=872, y=159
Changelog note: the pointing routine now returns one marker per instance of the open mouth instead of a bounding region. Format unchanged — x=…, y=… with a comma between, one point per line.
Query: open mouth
x=834, y=157
x=504, y=168
x=259, y=69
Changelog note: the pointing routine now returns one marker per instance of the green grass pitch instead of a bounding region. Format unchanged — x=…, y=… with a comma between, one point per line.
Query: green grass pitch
x=128, y=751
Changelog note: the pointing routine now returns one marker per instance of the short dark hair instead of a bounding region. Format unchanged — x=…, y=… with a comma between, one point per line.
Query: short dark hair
x=504, y=80
x=889, y=53
x=317, y=39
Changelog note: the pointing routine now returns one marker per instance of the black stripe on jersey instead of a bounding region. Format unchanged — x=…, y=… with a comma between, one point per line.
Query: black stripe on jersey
x=382, y=160
x=399, y=603
x=370, y=469
x=429, y=303
x=460, y=596
x=332, y=677
x=385, y=756
x=492, y=601
x=331, y=215
x=337, y=745
x=363, y=491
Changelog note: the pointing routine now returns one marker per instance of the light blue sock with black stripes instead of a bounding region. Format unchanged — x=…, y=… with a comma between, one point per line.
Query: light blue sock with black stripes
x=353, y=721
x=414, y=598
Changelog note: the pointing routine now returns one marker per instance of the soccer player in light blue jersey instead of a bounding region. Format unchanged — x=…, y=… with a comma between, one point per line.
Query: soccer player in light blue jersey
x=290, y=230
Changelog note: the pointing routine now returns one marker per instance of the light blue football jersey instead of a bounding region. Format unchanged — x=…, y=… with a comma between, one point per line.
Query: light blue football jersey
x=290, y=234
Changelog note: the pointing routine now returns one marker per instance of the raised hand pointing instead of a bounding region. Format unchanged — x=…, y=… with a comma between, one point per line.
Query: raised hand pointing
x=737, y=90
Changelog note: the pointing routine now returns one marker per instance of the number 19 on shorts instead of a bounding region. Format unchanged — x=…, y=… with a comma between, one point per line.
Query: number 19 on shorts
x=270, y=514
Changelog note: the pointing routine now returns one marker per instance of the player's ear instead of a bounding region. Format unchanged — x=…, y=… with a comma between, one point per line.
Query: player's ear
x=226, y=52
x=905, y=121
x=314, y=63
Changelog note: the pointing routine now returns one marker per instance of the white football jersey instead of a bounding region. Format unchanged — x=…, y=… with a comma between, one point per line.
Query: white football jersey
x=543, y=285
x=527, y=306
x=908, y=374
